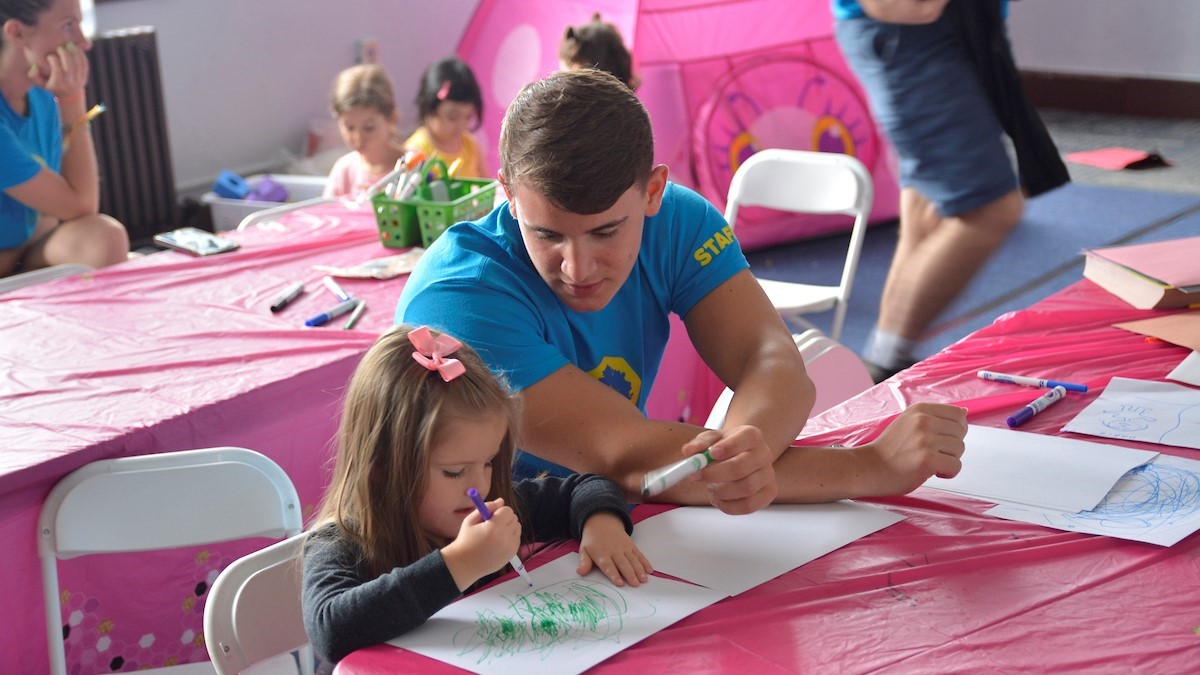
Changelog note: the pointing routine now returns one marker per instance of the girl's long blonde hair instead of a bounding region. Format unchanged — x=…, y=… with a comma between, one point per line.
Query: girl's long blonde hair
x=395, y=411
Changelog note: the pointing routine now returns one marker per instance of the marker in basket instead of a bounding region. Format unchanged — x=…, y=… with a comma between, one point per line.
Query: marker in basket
x=287, y=296
x=415, y=178
x=487, y=515
x=1036, y=406
x=659, y=481
x=331, y=314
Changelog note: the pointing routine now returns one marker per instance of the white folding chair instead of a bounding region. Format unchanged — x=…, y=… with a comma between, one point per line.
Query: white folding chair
x=836, y=371
x=156, y=502
x=267, y=215
x=252, y=618
x=43, y=275
x=716, y=417
x=807, y=182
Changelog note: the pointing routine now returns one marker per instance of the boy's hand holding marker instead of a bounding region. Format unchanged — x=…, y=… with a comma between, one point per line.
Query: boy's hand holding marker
x=735, y=462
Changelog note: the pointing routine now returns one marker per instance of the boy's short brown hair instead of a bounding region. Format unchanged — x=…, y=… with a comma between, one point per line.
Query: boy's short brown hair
x=579, y=139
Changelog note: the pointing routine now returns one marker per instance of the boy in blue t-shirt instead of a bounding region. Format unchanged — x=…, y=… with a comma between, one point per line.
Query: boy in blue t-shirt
x=566, y=290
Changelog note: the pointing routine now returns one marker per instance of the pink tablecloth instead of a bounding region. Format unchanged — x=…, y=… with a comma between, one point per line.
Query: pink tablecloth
x=168, y=352
x=950, y=590
x=172, y=352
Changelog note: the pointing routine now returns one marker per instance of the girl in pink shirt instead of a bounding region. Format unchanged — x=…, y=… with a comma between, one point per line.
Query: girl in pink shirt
x=366, y=112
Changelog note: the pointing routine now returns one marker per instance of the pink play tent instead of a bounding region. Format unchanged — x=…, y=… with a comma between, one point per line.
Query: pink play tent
x=721, y=79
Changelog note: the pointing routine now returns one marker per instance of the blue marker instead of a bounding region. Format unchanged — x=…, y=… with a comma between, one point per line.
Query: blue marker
x=1030, y=381
x=1036, y=406
x=335, y=289
x=330, y=314
x=487, y=515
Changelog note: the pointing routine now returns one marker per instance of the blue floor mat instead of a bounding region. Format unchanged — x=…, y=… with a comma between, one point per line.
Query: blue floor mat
x=1043, y=255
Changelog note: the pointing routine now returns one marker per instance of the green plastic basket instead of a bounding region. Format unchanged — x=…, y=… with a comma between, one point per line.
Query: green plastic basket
x=420, y=220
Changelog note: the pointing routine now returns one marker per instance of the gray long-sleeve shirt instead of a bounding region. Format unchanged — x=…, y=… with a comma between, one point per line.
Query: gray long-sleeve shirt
x=345, y=610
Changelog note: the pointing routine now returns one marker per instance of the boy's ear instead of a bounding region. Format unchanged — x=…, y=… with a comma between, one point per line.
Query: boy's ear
x=655, y=187
x=507, y=193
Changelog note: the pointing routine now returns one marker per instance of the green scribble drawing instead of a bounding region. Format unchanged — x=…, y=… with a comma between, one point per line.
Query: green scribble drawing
x=573, y=612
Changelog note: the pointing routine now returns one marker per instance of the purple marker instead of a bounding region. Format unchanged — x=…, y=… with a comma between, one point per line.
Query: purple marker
x=1036, y=406
x=487, y=515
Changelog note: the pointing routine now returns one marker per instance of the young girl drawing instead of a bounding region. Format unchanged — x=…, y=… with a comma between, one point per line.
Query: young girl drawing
x=397, y=537
x=365, y=108
x=451, y=106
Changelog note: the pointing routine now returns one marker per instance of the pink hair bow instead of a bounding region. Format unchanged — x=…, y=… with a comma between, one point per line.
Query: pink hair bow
x=431, y=352
x=444, y=91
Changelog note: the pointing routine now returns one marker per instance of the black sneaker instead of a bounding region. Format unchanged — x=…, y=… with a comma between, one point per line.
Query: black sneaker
x=880, y=373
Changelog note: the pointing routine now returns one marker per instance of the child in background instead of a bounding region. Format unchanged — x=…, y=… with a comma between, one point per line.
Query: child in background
x=397, y=537
x=451, y=106
x=365, y=108
x=597, y=44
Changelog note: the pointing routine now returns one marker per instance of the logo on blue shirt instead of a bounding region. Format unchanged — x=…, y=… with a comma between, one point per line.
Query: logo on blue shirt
x=616, y=373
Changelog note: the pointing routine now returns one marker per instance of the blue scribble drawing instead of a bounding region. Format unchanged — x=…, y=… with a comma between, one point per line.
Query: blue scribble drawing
x=570, y=613
x=1148, y=497
x=1127, y=418
x=1139, y=410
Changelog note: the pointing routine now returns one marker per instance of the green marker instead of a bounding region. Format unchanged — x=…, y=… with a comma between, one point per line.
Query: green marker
x=659, y=481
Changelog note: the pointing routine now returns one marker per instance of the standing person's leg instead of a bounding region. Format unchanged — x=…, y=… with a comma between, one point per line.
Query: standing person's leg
x=959, y=197
x=933, y=271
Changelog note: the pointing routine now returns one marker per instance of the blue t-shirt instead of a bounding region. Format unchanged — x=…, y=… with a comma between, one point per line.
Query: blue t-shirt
x=478, y=284
x=26, y=145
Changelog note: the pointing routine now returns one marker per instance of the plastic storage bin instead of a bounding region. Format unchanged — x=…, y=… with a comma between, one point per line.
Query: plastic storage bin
x=419, y=220
x=228, y=213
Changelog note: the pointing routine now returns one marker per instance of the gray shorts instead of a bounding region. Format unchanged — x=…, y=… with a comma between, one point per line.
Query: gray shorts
x=926, y=96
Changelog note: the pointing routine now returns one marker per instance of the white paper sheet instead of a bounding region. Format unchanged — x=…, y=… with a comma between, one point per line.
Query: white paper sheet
x=1139, y=410
x=1061, y=474
x=565, y=624
x=732, y=554
x=1157, y=503
x=1188, y=371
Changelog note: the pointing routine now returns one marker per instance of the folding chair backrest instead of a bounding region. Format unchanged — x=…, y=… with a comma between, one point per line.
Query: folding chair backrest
x=253, y=612
x=801, y=181
x=155, y=502
x=813, y=183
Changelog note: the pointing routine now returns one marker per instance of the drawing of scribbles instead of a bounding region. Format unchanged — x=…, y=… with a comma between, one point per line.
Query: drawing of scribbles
x=1150, y=496
x=1127, y=418
x=568, y=614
